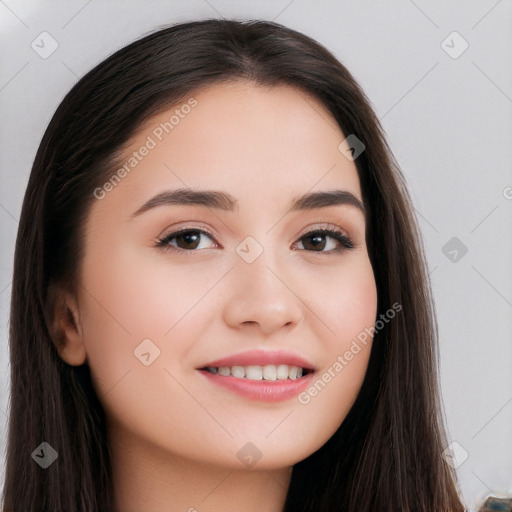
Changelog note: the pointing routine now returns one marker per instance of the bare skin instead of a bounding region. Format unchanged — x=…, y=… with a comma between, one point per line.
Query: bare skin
x=175, y=436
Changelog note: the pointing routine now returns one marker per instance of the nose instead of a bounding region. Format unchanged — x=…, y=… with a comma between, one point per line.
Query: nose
x=262, y=295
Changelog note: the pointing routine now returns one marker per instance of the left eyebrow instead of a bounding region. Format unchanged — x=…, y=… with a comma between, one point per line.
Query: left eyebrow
x=223, y=201
x=325, y=199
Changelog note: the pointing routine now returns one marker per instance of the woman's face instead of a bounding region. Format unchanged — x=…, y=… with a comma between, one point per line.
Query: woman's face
x=261, y=278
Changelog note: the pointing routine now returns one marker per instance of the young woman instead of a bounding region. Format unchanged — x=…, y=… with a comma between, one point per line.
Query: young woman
x=220, y=298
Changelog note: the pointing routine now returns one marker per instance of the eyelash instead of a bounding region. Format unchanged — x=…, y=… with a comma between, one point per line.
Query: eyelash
x=345, y=241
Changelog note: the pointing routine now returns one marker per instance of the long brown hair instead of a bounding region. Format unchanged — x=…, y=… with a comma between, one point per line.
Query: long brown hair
x=387, y=453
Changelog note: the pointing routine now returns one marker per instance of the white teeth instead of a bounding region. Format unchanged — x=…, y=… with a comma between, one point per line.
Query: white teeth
x=269, y=372
x=254, y=372
x=282, y=371
x=238, y=371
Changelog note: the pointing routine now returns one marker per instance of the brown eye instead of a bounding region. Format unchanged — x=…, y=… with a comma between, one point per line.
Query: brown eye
x=315, y=244
x=190, y=239
x=186, y=239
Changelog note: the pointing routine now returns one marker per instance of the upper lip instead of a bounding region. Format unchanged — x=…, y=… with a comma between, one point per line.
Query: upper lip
x=261, y=358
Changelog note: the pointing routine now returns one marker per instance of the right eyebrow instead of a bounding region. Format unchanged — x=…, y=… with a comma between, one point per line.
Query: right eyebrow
x=184, y=196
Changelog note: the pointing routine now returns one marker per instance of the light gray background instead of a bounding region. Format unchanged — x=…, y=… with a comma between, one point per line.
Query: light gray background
x=448, y=121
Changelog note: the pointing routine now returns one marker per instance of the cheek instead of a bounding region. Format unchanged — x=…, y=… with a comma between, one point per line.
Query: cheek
x=348, y=309
x=129, y=298
x=346, y=300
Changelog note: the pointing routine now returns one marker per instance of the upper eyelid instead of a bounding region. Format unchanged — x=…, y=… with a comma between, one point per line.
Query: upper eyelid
x=316, y=226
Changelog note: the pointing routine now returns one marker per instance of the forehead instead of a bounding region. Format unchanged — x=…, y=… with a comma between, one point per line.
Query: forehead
x=252, y=141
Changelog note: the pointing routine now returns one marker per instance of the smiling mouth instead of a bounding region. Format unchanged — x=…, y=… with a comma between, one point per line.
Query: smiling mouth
x=267, y=372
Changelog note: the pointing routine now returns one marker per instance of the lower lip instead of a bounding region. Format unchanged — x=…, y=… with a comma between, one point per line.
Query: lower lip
x=262, y=390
